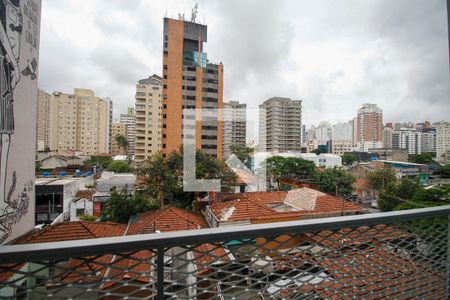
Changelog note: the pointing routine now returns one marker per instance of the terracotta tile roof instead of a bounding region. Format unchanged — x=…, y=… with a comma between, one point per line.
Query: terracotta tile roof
x=85, y=194
x=167, y=219
x=68, y=231
x=238, y=210
x=372, y=273
x=357, y=236
x=298, y=202
x=259, y=197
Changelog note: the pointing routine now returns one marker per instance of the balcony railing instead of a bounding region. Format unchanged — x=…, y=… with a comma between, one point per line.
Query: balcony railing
x=395, y=255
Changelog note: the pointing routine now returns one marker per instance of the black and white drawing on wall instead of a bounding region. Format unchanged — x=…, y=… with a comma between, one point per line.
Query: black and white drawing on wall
x=19, y=28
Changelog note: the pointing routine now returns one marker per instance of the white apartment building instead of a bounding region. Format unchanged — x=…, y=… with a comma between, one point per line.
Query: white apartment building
x=280, y=124
x=80, y=122
x=148, y=117
x=234, y=126
x=416, y=142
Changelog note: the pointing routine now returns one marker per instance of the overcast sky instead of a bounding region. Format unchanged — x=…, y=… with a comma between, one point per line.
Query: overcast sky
x=332, y=54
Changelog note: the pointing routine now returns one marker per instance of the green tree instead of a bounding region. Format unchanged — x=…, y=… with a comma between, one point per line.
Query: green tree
x=89, y=218
x=293, y=168
x=381, y=178
x=122, y=142
x=275, y=168
x=296, y=168
x=444, y=171
x=242, y=153
x=99, y=161
x=316, y=151
x=335, y=181
x=164, y=177
x=403, y=194
x=119, y=167
x=122, y=205
x=348, y=158
x=423, y=158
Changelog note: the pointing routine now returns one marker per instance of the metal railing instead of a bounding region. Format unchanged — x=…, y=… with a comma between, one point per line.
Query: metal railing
x=395, y=255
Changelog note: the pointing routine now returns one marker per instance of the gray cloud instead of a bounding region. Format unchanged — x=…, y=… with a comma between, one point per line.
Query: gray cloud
x=335, y=55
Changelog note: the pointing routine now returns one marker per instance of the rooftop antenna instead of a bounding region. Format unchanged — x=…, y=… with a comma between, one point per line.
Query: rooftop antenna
x=194, y=13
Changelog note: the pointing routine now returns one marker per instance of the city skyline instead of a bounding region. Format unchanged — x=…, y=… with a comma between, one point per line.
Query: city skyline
x=375, y=62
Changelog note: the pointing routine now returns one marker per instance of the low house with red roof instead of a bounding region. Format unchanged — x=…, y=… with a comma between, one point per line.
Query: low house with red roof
x=65, y=231
x=364, y=193
x=82, y=204
x=267, y=207
x=107, y=271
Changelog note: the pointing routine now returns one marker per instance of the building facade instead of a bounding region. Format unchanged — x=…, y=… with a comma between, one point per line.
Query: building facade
x=280, y=123
x=416, y=142
x=387, y=137
x=190, y=81
x=129, y=119
x=43, y=121
x=442, y=141
x=234, y=126
x=80, y=122
x=340, y=147
x=117, y=129
x=148, y=117
x=19, y=60
x=369, y=127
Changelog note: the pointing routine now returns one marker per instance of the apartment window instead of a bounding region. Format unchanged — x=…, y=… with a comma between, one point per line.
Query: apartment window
x=165, y=67
x=80, y=211
x=189, y=88
x=165, y=86
x=210, y=90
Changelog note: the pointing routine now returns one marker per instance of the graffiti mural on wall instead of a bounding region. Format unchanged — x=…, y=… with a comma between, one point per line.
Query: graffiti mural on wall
x=14, y=34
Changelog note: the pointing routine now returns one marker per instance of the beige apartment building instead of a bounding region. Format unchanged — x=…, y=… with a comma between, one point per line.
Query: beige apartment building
x=80, y=123
x=442, y=142
x=116, y=130
x=340, y=147
x=43, y=121
x=129, y=119
x=148, y=117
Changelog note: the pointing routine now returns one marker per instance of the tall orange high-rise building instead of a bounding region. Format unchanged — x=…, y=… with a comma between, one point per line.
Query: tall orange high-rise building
x=190, y=81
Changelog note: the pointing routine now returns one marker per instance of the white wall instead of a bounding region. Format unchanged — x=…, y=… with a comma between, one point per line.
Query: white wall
x=17, y=150
x=85, y=204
